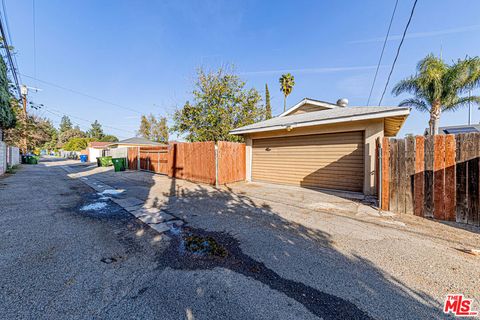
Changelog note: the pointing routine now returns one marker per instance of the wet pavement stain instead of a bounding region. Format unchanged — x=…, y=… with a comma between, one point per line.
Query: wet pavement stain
x=98, y=207
x=179, y=255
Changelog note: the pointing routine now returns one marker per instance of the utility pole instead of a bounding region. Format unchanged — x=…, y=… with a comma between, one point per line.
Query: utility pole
x=24, y=92
x=469, y=108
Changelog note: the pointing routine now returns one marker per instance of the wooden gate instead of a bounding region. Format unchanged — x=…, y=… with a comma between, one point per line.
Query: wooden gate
x=195, y=161
x=154, y=159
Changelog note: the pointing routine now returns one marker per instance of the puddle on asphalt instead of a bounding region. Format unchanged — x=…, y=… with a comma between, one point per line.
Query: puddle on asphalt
x=94, y=206
x=100, y=207
x=111, y=192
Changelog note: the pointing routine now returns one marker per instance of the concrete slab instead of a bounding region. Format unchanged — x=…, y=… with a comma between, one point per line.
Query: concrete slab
x=127, y=202
x=159, y=227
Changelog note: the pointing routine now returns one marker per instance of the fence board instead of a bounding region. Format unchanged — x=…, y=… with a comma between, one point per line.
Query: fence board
x=472, y=175
x=410, y=170
x=402, y=176
x=132, y=158
x=419, y=180
x=192, y=161
x=393, y=176
x=428, y=193
x=439, y=177
x=385, y=174
x=461, y=180
x=231, y=162
x=450, y=177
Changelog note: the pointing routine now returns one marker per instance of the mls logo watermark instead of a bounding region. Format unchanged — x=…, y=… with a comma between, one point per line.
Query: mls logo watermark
x=459, y=306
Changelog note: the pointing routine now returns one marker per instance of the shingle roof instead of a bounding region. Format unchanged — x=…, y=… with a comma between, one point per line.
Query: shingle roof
x=138, y=141
x=98, y=144
x=334, y=115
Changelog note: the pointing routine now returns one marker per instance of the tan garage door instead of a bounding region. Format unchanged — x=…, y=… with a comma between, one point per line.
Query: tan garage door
x=331, y=161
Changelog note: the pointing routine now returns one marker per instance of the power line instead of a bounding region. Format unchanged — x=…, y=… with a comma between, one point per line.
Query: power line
x=34, y=40
x=9, y=56
x=10, y=39
x=73, y=122
x=398, y=50
x=82, y=94
x=61, y=113
x=381, y=54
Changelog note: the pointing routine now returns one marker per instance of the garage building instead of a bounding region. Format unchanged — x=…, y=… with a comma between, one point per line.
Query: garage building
x=317, y=144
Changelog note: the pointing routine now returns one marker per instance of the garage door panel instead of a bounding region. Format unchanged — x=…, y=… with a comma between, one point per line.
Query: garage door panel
x=334, y=161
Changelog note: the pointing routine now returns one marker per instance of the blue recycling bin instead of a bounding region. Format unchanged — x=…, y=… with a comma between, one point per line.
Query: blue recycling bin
x=83, y=158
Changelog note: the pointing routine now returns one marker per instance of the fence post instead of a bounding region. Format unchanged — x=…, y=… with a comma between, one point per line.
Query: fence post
x=419, y=180
x=410, y=171
x=461, y=179
x=138, y=158
x=379, y=172
x=216, y=165
x=438, y=177
x=450, y=190
x=385, y=174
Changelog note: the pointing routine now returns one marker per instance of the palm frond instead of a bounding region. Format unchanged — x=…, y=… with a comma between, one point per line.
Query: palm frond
x=418, y=104
x=409, y=85
x=461, y=102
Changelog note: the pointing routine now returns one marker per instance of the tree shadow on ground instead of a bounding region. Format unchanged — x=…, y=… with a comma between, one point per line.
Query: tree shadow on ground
x=303, y=263
x=300, y=262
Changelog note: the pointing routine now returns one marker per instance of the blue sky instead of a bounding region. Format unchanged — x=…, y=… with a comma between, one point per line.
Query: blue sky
x=142, y=55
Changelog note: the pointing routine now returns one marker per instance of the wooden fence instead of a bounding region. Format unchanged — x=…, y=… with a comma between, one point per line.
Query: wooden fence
x=433, y=177
x=193, y=161
x=148, y=158
x=198, y=161
x=231, y=162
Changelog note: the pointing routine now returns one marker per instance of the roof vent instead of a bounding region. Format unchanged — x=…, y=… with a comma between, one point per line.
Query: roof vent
x=342, y=102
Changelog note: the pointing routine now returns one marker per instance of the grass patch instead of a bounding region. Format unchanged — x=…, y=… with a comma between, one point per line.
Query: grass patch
x=12, y=169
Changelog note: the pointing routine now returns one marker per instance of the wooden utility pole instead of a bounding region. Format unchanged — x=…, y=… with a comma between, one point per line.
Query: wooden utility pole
x=24, y=91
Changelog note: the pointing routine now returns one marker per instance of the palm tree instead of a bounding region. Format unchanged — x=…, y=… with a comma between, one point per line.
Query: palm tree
x=438, y=87
x=287, y=81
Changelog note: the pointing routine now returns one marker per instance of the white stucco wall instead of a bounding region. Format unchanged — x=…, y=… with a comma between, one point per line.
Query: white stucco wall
x=93, y=154
x=3, y=157
x=13, y=156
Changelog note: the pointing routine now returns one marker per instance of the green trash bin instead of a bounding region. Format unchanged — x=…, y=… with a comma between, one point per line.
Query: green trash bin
x=32, y=160
x=106, y=161
x=119, y=164
x=99, y=164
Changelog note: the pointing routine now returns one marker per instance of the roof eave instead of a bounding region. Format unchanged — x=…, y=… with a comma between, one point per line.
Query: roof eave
x=378, y=115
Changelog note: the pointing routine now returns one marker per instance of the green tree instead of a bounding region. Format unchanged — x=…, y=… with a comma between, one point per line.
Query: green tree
x=287, y=82
x=37, y=130
x=53, y=133
x=65, y=124
x=220, y=103
x=77, y=144
x=109, y=138
x=268, y=107
x=160, y=130
x=96, y=131
x=7, y=114
x=63, y=137
x=438, y=87
x=145, y=127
